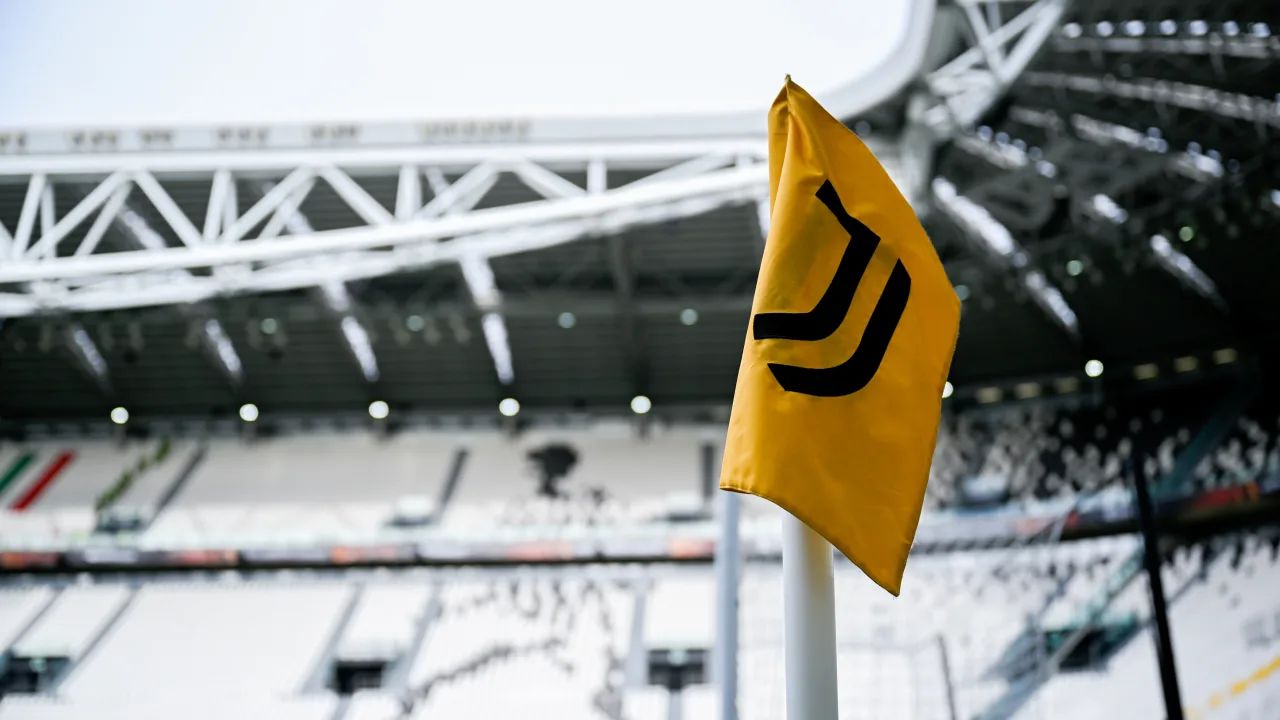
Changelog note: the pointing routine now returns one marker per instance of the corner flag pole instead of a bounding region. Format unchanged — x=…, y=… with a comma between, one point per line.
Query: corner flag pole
x=809, y=622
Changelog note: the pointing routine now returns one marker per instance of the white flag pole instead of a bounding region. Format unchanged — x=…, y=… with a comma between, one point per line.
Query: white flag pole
x=809, y=622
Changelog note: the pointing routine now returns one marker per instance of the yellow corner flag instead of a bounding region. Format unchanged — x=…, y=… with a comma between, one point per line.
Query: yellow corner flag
x=852, y=329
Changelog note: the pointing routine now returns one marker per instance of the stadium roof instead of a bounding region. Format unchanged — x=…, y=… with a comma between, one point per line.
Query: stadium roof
x=1119, y=202
x=299, y=61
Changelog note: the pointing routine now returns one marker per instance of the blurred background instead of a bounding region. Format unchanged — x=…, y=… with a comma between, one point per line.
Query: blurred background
x=371, y=360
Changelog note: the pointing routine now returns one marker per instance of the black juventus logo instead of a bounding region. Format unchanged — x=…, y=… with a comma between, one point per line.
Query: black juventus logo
x=819, y=323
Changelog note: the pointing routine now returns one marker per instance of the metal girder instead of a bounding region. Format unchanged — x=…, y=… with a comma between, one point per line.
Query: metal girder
x=996, y=240
x=692, y=165
x=1192, y=163
x=212, y=337
x=221, y=350
x=966, y=86
x=1185, y=271
x=354, y=335
x=1224, y=103
x=334, y=293
x=94, y=281
x=88, y=358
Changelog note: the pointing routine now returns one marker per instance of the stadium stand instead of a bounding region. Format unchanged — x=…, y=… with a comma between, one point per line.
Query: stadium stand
x=1250, y=452
x=609, y=476
x=591, y=645
x=1041, y=458
x=1114, y=203
x=53, y=488
x=294, y=490
x=18, y=609
x=382, y=628
x=1222, y=615
x=1038, y=452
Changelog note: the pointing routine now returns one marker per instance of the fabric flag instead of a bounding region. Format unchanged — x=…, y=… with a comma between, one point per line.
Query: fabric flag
x=852, y=329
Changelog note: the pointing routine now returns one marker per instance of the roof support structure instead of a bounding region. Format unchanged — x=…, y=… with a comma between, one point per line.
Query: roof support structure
x=287, y=215
x=624, y=287
x=688, y=166
x=354, y=334
x=212, y=337
x=996, y=240
x=88, y=358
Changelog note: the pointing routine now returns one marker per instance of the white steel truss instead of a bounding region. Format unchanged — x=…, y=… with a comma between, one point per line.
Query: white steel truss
x=1005, y=38
x=690, y=165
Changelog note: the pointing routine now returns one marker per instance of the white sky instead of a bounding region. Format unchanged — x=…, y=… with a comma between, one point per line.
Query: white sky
x=182, y=62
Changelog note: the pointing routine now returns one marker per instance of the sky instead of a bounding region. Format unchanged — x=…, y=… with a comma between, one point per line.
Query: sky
x=128, y=63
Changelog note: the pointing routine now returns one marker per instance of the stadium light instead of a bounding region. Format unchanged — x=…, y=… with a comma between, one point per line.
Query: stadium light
x=119, y=415
x=948, y=390
x=1027, y=390
x=379, y=410
x=249, y=412
x=1093, y=368
x=989, y=395
x=1224, y=356
x=509, y=407
x=641, y=404
x=1146, y=371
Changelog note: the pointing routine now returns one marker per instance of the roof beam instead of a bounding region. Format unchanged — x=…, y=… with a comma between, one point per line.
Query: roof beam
x=408, y=192
x=88, y=358
x=334, y=292
x=603, y=213
x=1184, y=269
x=169, y=210
x=109, y=213
x=998, y=243
x=338, y=301
x=544, y=182
x=213, y=338
x=98, y=196
x=461, y=195
x=478, y=275
x=99, y=292
x=624, y=286
x=218, y=345
x=1223, y=103
x=356, y=197
x=221, y=193
x=27, y=219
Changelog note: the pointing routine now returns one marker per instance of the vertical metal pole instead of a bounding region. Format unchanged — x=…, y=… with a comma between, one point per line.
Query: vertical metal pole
x=946, y=678
x=710, y=473
x=728, y=563
x=1159, y=609
x=675, y=704
x=809, y=622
